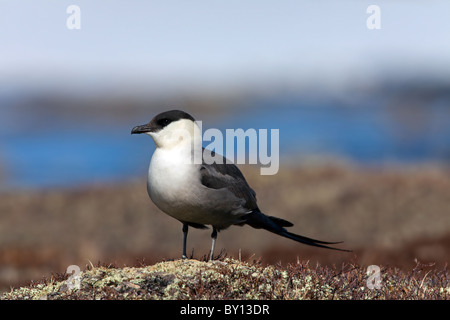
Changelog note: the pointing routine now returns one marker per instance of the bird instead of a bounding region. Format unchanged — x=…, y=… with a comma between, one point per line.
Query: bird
x=200, y=193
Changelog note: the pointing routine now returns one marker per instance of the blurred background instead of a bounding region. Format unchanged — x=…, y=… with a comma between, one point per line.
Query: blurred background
x=363, y=114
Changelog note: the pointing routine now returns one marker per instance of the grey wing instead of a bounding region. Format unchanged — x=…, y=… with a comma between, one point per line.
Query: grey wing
x=227, y=175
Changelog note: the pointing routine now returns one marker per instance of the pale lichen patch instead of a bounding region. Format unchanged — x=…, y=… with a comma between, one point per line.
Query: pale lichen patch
x=232, y=279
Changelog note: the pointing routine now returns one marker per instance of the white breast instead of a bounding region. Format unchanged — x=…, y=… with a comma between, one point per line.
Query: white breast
x=170, y=179
x=175, y=187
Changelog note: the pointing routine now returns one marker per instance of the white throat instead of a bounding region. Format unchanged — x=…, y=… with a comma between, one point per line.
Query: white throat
x=181, y=134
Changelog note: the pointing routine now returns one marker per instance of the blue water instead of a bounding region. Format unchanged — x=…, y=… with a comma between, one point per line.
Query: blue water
x=63, y=153
x=368, y=134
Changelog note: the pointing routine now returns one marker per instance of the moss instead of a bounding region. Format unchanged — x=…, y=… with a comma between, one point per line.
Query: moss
x=232, y=279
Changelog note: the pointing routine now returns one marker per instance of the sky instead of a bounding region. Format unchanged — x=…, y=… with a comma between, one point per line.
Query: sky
x=162, y=47
x=204, y=43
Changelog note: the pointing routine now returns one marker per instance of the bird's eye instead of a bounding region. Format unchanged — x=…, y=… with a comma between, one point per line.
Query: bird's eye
x=164, y=122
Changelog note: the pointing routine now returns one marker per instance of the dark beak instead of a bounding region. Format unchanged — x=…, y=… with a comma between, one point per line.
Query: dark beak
x=142, y=129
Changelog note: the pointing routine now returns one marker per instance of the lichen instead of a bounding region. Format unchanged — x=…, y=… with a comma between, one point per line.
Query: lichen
x=232, y=279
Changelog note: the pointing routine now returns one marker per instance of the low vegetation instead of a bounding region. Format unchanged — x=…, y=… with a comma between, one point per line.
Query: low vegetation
x=227, y=278
x=388, y=217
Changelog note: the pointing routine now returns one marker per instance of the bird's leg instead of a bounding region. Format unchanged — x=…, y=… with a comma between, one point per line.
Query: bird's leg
x=214, y=237
x=185, y=232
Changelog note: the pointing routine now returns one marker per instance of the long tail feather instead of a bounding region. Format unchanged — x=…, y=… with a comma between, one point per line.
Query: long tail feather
x=276, y=225
x=309, y=241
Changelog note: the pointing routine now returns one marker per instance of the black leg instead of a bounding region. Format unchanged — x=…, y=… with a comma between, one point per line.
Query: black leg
x=185, y=232
x=214, y=237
